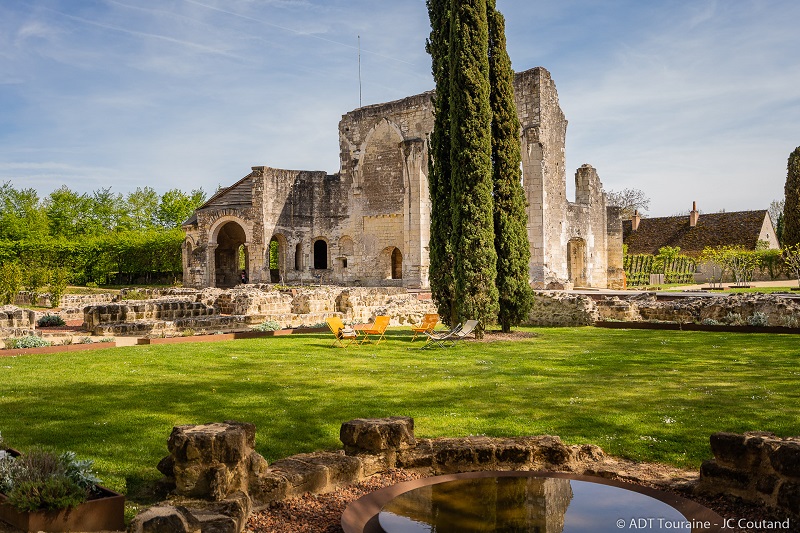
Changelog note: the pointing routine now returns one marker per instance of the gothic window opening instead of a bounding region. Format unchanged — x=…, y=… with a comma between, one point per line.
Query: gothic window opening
x=320, y=254
x=397, y=264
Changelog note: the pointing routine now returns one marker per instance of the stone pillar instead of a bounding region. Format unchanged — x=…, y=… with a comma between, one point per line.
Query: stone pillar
x=212, y=461
x=211, y=265
x=376, y=441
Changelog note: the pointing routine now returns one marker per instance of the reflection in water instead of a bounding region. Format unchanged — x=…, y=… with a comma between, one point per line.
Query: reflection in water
x=524, y=505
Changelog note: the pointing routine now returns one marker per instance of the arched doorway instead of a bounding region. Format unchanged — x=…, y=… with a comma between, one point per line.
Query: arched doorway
x=397, y=264
x=576, y=263
x=320, y=254
x=275, y=258
x=230, y=256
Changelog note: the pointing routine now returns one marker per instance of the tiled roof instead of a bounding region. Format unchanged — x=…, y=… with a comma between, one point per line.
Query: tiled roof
x=714, y=229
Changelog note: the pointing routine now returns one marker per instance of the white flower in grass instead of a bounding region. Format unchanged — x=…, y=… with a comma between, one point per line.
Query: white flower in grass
x=667, y=420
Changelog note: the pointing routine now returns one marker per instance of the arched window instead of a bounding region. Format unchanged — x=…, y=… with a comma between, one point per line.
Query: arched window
x=320, y=254
x=298, y=257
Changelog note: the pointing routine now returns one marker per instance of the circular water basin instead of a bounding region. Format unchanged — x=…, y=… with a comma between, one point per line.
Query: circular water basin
x=529, y=502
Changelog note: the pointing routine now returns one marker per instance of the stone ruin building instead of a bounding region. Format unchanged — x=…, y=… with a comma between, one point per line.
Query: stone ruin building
x=369, y=225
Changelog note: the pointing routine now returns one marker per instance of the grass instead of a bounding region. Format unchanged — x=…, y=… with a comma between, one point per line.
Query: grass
x=642, y=394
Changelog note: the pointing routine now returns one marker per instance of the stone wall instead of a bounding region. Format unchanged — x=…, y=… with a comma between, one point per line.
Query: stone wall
x=565, y=309
x=215, y=309
x=15, y=321
x=758, y=467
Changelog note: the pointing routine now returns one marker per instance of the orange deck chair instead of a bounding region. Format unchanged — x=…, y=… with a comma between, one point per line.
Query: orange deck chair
x=341, y=333
x=377, y=328
x=429, y=322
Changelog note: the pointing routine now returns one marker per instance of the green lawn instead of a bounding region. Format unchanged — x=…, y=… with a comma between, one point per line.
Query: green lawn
x=648, y=395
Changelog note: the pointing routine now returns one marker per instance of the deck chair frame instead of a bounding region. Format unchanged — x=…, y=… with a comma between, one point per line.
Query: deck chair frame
x=448, y=339
x=378, y=329
x=341, y=333
x=427, y=325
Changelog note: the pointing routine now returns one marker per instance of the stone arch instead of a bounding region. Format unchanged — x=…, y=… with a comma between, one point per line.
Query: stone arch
x=228, y=238
x=276, y=258
x=576, y=262
x=381, y=169
x=390, y=263
x=320, y=254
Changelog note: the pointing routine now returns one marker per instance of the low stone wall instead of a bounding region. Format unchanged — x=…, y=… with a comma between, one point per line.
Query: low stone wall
x=758, y=467
x=557, y=308
x=220, y=310
x=565, y=309
x=67, y=300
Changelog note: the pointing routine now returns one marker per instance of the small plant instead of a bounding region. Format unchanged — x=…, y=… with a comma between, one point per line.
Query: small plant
x=91, y=285
x=269, y=325
x=49, y=320
x=790, y=321
x=758, y=319
x=84, y=340
x=710, y=322
x=735, y=319
x=29, y=341
x=188, y=332
x=104, y=339
x=42, y=480
x=67, y=341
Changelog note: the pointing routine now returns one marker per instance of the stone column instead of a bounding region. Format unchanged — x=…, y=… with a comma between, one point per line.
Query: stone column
x=211, y=265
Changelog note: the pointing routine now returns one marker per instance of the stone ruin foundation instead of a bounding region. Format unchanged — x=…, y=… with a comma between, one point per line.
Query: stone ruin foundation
x=218, y=478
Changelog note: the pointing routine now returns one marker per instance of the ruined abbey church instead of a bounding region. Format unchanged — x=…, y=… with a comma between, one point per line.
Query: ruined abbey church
x=369, y=225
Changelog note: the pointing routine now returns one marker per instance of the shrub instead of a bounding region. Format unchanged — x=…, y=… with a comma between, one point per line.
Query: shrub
x=42, y=480
x=58, y=283
x=188, y=332
x=735, y=319
x=710, y=322
x=84, y=340
x=105, y=339
x=269, y=325
x=29, y=341
x=758, y=319
x=10, y=282
x=49, y=320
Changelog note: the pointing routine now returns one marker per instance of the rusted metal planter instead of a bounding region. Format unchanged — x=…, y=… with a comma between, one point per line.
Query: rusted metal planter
x=106, y=512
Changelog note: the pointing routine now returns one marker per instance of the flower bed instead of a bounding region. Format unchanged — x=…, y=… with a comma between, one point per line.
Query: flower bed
x=231, y=336
x=58, y=348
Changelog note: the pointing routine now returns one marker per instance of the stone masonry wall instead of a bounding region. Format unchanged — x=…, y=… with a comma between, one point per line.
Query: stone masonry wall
x=758, y=467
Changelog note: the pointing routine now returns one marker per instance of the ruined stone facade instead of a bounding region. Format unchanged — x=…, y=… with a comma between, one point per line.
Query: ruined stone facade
x=370, y=223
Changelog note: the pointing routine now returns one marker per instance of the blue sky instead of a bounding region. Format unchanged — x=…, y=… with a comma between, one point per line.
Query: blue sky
x=686, y=100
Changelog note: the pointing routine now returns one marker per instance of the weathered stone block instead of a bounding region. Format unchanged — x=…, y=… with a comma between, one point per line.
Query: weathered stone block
x=789, y=497
x=550, y=450
x=785, y=458
x=716, y=477
x=165, y=519
x=376, y=435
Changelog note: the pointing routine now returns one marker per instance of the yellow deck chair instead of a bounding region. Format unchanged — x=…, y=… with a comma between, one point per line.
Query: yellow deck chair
x=341, y=332
x=377, y=328
x=427, y=325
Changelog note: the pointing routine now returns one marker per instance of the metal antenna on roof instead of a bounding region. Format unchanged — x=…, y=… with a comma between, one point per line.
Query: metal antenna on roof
x=359, y=71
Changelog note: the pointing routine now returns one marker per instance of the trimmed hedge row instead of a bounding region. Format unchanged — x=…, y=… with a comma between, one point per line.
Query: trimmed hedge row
x=101, y=259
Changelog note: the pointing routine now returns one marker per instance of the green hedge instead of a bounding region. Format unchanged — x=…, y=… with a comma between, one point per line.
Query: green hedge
x=98, y=259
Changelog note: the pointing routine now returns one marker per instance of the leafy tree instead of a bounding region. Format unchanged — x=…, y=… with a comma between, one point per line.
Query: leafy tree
x=176, y=206
x=791, y=206
x=106, y=211
x=440, y=274
x=22, y=215
x=510, y=215
x=36, y=278
x=68, y=213
x=10, y=282
x=141, y=207
x=474, y=254
x=628, y=200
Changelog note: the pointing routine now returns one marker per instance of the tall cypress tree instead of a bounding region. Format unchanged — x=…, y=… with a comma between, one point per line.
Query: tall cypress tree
x=510, y=216
x=791, y=204
x=441, y=256
x=472, y=235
